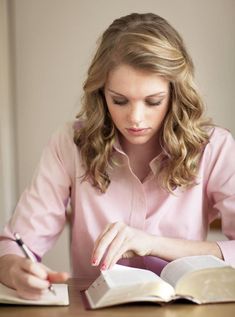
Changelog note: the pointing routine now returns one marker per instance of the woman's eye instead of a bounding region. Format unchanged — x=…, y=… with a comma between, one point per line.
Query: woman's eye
x=124, y=102
x=119, y=102
x=156, y=103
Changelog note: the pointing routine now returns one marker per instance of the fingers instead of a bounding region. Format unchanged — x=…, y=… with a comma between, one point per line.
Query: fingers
x=103, y=241
x=55, y=277
x=94, y=255
x=36, y=269
x=116, y=250
x=112, y=244
x=58, y=277
x=31, y=286
x=120, y=241
x=31, y=280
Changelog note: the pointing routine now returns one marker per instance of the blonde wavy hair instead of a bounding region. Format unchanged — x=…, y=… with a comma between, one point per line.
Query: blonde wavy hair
x=145, y=42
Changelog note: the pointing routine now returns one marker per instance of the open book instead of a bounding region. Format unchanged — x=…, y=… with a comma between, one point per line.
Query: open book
x=200, y=279
x=9, y=296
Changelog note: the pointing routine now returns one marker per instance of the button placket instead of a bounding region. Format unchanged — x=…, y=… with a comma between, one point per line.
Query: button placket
x=139, y=205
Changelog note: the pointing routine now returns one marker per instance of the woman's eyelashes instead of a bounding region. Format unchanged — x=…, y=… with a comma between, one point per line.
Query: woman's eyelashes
x=148, y=102
x=156, y=103
x=120, y=102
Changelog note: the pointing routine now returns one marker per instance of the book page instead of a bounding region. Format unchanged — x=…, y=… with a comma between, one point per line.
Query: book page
x=10, y=296
x=121, y=275
x=212, y=285
x=174, y=270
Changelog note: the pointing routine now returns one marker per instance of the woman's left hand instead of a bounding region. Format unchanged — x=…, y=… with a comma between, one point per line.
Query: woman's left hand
x=120, y=241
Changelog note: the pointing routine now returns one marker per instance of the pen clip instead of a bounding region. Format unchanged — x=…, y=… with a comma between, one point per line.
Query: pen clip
x=28, y=253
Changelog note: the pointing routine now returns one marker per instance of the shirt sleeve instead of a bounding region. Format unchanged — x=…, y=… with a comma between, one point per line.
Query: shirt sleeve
x=40, y=214
x=221, y=188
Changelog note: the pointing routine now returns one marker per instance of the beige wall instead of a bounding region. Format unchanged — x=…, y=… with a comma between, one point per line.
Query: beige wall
x=7, y=141
x=54, y=39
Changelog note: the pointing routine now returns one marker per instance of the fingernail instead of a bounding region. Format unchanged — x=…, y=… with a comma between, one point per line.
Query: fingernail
x=94, y=261
x=103, y=267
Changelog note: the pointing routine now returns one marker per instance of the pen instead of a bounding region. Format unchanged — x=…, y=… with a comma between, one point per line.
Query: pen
x=29, y=255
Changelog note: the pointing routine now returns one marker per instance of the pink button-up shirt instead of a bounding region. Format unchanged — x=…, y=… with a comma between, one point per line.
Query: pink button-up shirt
x=41, y=211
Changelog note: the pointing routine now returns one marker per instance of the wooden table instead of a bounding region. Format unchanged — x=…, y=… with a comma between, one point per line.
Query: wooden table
x=76, y=308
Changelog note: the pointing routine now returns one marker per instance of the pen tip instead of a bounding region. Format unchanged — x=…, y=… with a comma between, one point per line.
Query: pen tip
x=51, y=288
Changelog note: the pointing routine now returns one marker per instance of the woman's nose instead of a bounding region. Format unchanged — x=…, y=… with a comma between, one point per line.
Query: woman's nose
x=136, y=114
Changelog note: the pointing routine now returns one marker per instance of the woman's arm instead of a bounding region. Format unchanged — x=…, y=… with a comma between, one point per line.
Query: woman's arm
x=121, y=241
x=171, y=249
x=40, y=216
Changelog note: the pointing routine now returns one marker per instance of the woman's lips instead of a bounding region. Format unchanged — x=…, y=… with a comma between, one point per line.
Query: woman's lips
x=137, y=131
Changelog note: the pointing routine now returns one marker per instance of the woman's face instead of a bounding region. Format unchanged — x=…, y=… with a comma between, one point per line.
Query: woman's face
x=138, y=102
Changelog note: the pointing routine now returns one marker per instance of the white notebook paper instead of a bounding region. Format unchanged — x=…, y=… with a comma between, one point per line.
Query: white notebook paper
x=9, y=296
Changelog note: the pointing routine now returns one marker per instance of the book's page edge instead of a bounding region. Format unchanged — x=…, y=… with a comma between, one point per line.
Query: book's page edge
x=124, y=300
x=172, y=266
x=88, y=306
x=196, y=274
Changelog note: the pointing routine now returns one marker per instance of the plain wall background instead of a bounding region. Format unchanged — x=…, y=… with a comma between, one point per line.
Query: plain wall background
x=51, y=45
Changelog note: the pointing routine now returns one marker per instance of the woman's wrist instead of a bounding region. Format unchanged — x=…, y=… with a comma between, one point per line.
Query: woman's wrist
x=158, y=244
x=172, y=248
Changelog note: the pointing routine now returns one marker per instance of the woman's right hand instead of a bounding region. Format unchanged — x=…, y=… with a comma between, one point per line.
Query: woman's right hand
x=30, y=280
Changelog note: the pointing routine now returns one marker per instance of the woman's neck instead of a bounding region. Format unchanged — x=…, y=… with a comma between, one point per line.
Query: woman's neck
x=143, y=153
x=140, y=155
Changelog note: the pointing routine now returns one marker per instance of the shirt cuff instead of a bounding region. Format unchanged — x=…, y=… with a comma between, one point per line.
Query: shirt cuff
x=228, y=250
x=8, y=246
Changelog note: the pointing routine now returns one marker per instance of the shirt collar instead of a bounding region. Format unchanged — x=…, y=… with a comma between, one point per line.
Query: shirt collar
x=153, y=166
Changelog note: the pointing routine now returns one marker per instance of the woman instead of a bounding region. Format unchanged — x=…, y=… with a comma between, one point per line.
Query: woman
x=143, y=170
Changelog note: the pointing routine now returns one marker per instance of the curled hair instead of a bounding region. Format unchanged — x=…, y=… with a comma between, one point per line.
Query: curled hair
x=146, y=42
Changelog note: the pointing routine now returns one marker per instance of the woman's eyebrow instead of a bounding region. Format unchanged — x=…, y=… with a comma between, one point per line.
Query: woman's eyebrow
x=152, y=95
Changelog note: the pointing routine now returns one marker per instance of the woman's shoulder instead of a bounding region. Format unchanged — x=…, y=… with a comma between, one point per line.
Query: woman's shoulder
x=61, y=140
x=219, y=134
x=220, y=142
x=63, y=147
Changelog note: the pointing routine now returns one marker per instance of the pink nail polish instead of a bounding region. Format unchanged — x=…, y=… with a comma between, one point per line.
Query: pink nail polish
x=94, y=261
x=103, y=267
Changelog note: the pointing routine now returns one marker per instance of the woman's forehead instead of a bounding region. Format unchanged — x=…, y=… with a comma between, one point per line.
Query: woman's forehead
x=127, y=81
